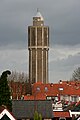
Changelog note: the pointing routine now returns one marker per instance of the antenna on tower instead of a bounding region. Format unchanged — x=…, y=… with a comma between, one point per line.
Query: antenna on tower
x=37, y=9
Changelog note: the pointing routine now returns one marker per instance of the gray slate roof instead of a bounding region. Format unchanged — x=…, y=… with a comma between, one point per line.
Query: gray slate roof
x=23, y=109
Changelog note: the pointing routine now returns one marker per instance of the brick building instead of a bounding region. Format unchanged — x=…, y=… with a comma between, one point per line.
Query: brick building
x=38, y=45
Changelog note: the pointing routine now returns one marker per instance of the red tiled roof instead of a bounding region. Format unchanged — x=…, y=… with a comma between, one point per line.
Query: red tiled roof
x=61, y=114
x=28, y=97
x=63, y=88
x=35, y=97
x=53, y=89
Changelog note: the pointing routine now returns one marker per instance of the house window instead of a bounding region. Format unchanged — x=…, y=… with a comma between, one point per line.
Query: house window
x=48, y=98
x=74, y=98
x=66, y=97
x=60, y=89
x=46, y=89
x=11, y=97
x=56, y=98
x=38, y=88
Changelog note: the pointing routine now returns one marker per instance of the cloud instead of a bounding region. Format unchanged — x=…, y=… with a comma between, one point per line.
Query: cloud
x=14, y=60
x=63, y=62
x=63, y=18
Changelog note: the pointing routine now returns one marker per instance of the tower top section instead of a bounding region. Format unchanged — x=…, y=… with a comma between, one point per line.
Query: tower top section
x=38, y=19
x=39, y=15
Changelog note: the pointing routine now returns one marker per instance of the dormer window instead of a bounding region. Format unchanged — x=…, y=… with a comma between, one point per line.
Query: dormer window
x=38, y=88
x=46, y=88
x=61, y=89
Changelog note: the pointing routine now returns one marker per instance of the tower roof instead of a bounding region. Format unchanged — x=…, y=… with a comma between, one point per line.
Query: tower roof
x=39, y=15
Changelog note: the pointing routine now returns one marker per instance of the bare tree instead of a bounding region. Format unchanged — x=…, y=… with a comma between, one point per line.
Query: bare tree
x=76, y=74
x=18, y=77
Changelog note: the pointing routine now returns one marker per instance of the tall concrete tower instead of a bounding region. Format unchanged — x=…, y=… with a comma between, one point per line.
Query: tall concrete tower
x=38, y=45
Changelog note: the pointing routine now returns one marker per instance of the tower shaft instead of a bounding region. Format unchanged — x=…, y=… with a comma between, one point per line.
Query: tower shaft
x=38, y=45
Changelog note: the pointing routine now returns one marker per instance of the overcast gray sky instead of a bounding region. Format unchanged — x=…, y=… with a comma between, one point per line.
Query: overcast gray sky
x=63, y=18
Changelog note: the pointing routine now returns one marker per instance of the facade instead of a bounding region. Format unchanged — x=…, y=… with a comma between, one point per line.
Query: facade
x=38, y=46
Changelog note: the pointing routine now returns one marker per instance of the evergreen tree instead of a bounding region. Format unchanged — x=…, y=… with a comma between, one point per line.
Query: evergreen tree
x=5, y=91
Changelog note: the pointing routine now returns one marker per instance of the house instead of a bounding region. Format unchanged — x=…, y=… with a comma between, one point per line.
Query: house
x=25, y=109
x=5, y=114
